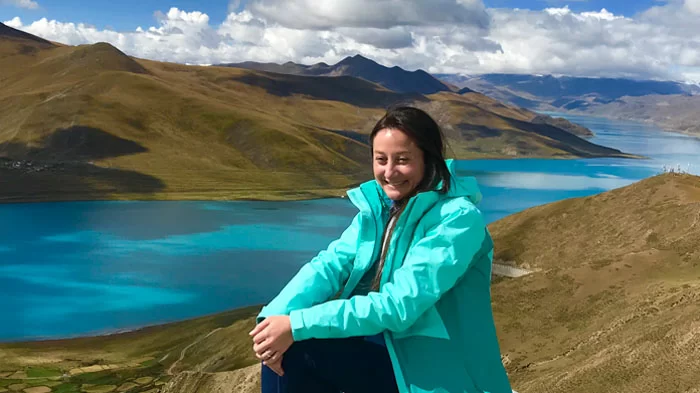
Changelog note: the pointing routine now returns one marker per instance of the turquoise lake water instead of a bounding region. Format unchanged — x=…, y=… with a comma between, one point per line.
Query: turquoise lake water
x=71, y=269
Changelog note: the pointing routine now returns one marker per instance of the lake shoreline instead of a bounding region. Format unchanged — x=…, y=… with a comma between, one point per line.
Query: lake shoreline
x=122, y=332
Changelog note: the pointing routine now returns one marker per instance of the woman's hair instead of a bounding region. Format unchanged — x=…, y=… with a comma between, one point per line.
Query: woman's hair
x=426, y=134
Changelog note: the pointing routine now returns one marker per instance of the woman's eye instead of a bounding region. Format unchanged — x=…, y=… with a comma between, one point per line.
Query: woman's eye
x=402, y=160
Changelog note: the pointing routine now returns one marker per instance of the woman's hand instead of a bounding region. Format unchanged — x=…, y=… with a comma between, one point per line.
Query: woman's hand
x=271, y=339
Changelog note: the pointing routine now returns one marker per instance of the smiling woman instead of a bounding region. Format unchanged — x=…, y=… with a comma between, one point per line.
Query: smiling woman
x=401, y=301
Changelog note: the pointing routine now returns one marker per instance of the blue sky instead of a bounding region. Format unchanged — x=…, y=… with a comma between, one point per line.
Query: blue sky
x=117, y=14
x=124, y=15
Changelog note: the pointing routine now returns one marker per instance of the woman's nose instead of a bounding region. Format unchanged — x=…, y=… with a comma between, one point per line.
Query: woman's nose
x=389, y=170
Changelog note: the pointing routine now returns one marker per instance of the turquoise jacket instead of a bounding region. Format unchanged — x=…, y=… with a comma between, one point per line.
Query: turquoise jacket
x=434, y=302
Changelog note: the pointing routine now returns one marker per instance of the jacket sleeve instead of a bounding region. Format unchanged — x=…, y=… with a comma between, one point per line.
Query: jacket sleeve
x=320, y=278
x=432, y=267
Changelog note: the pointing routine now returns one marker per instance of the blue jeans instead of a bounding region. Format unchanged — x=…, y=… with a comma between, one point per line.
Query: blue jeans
x=348, y=365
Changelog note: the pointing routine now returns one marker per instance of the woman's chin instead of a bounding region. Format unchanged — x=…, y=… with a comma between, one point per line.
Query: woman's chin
x=394, y=194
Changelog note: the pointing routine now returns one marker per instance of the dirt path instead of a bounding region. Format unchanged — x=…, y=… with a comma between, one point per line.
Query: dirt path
x=184, y=351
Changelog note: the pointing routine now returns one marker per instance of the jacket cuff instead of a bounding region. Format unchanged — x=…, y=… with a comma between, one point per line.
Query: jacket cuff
x=261, y=315
x=299, y=331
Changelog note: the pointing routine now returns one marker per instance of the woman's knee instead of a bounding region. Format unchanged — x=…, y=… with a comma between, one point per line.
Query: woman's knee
x=299, y=355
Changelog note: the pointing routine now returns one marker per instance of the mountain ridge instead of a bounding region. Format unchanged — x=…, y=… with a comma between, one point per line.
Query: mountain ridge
x=393, y=78
x=9, y=32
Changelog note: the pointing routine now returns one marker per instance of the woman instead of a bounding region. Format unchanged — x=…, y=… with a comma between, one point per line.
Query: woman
x=401, y=301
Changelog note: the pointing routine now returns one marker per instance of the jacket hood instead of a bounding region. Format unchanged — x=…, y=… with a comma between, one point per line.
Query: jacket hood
x=465, y=186
x=372, y=191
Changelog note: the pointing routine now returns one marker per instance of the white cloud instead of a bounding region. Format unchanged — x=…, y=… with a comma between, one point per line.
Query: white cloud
x=559, y=40
x=449, y=36
x=29, y=4
x=548, y=181
x=15, y=22
x=693, y=6
x=382, y=14
x=392, y=38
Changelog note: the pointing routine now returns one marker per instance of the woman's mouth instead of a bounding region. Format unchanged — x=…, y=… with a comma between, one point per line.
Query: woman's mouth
x=395, y=184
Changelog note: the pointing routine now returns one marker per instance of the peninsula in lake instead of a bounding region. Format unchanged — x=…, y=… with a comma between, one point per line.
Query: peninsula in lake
x=91, y=123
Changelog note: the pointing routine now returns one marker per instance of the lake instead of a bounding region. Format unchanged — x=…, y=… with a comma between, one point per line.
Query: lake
x=71, y=269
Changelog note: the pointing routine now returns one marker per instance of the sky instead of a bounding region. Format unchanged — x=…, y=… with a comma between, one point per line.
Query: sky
x=643, y=39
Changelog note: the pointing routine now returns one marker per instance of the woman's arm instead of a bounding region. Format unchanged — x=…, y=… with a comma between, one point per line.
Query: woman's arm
x=320, y=278
x=431, y=268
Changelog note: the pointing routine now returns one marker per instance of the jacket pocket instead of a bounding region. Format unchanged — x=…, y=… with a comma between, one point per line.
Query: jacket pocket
x=429, y=324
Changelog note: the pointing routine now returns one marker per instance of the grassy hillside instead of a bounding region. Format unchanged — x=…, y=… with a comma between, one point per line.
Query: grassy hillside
x=613, y=305
x=139, y=361
x=89, y=122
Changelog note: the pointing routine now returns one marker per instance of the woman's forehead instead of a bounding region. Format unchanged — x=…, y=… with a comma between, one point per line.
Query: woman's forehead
x=393, y=139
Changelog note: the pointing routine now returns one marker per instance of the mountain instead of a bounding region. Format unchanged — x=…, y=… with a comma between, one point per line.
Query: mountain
x=614, y=293
x=9, y=33
x=606, y=89
x=670, y=105
x=89, y=122
x=458, y=81
x=394, y=78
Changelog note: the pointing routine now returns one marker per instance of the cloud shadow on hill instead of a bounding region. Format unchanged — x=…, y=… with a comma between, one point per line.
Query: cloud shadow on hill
x=59, y=166
x=347, y=89
x=76, y=143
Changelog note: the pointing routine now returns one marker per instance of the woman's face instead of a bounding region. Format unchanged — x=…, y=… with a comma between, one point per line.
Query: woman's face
x=398, y=163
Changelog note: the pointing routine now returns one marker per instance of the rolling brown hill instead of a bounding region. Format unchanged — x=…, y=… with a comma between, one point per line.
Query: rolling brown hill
x=614, y=305
x=89, y=122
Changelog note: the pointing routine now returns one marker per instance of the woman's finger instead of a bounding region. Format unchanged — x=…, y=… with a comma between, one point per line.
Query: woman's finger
x=267, y=355
x=259, y=327
x=274, y=358
x=261, y=348
x=260, y=337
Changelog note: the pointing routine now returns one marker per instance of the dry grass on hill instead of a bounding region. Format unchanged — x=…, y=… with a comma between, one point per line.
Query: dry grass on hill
x=615, y=305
